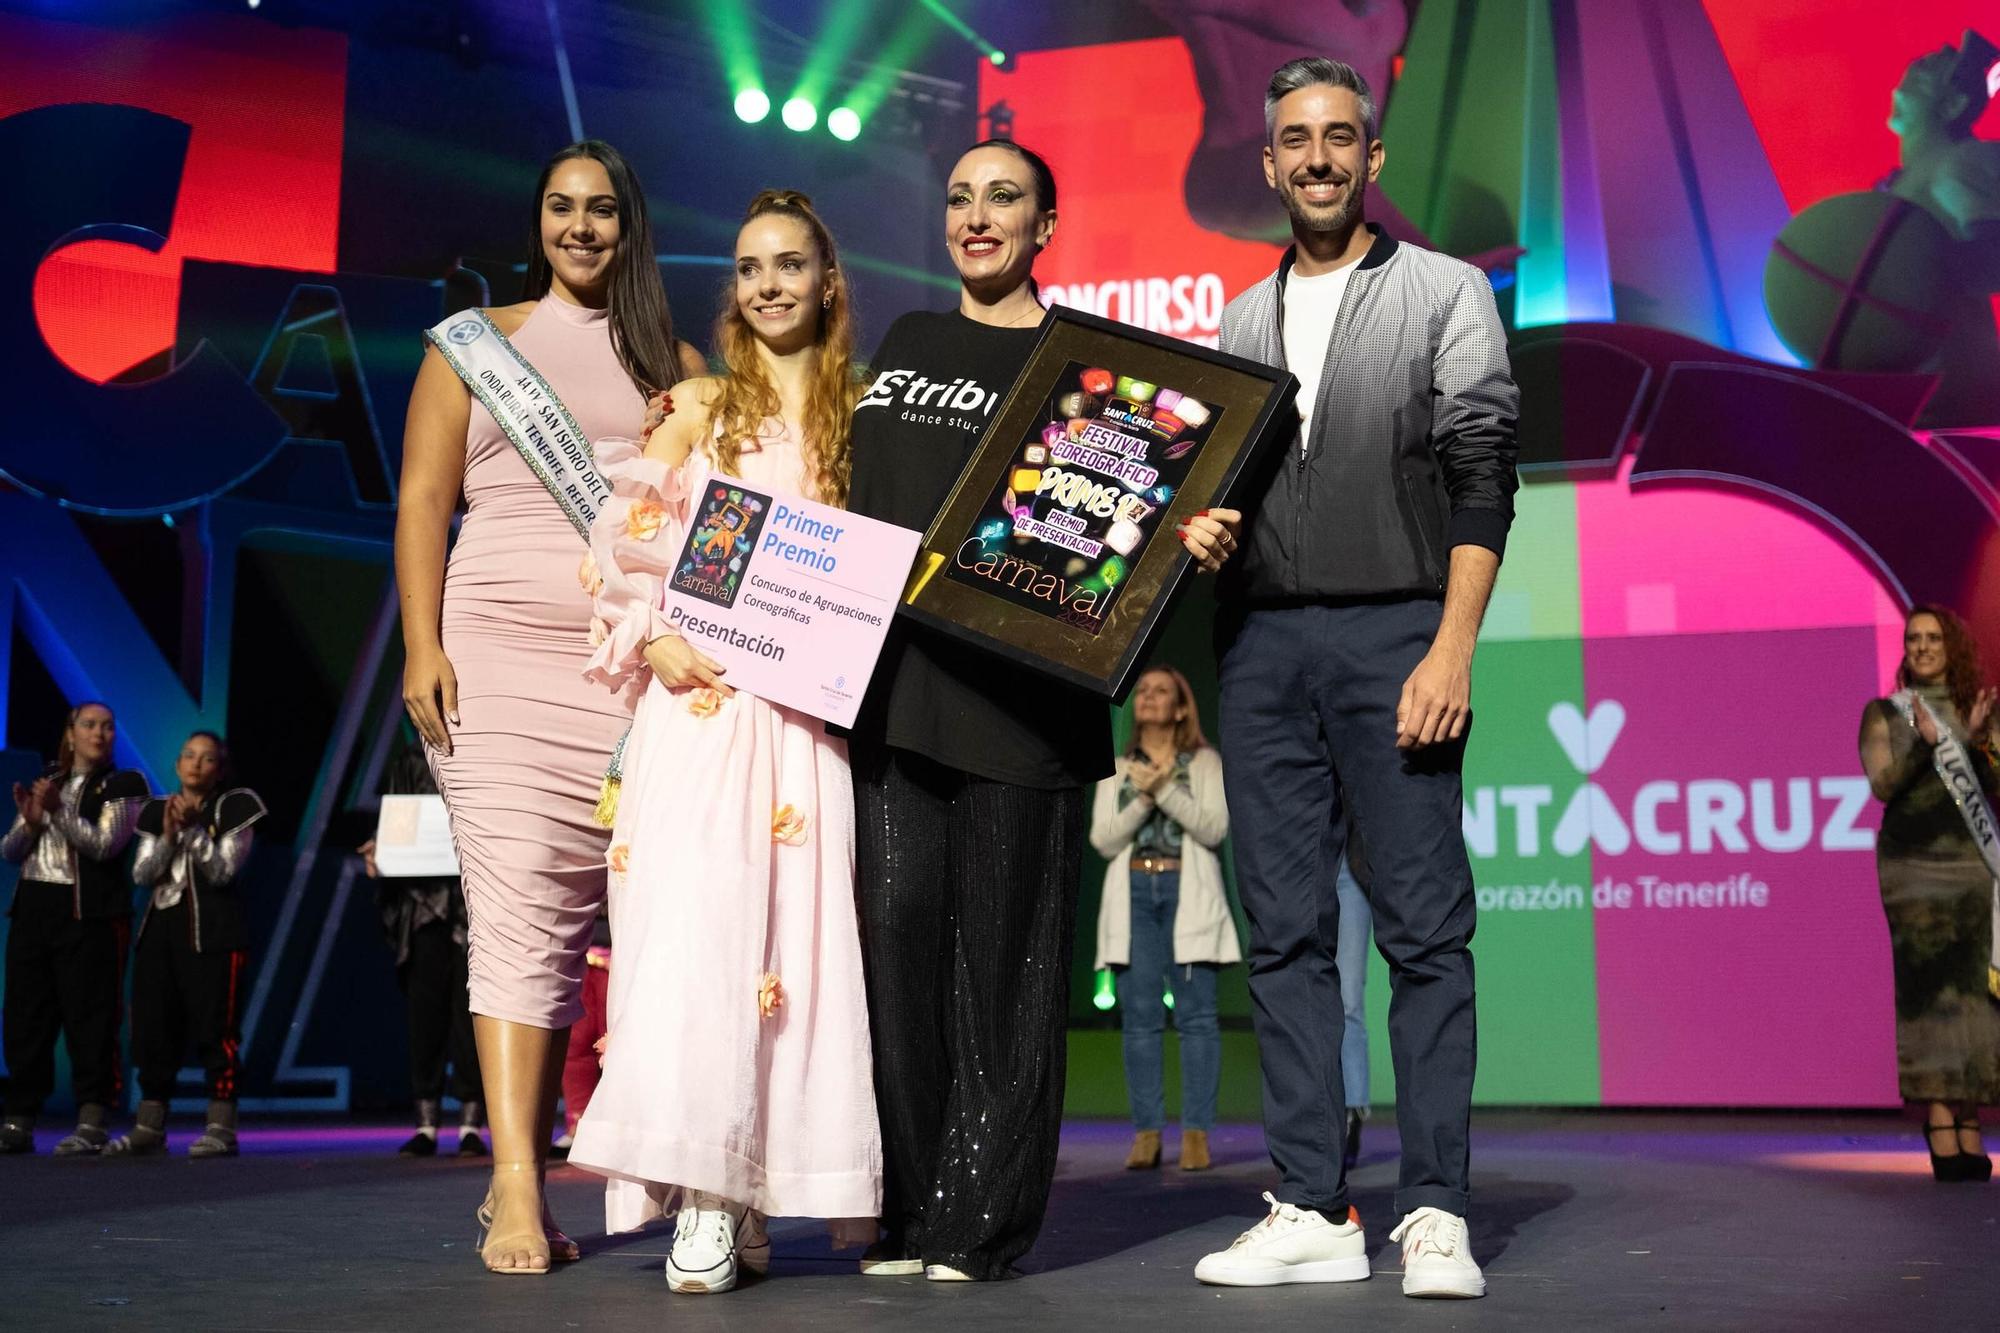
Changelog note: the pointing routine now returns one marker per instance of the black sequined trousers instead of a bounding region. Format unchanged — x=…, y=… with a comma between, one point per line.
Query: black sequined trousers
x=968, y=915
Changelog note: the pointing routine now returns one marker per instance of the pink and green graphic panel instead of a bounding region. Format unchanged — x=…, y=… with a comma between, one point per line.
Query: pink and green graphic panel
x=1741, y=953
x=1670, y=837
x=1535, y=945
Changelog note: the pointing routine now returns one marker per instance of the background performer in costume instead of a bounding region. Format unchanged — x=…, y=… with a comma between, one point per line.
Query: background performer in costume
x=68, y=928
x=193, y=947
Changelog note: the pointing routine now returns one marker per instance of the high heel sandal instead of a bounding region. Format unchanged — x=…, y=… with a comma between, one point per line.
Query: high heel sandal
x=484, y=1216
x=1953, y=1166
x=1978, y=1165
x=562, y=1250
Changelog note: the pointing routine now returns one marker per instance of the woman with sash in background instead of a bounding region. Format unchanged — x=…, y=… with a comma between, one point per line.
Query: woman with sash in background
x=737, y=1080
x=504, y=409
x=1929, y=753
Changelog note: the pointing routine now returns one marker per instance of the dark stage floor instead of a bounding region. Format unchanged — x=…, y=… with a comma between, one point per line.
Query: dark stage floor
x=1599, y=1220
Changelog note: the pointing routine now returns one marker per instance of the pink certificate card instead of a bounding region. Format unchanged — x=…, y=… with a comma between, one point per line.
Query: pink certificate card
x=793, y=597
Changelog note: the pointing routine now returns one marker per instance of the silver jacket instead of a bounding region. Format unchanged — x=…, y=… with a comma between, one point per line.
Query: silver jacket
x=48, y=851
x=196, y=861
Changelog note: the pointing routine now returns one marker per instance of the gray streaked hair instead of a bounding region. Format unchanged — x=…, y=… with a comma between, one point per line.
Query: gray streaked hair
x=1312, y=72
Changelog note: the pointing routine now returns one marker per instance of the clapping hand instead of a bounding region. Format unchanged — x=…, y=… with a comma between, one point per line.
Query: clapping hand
x=1926, y=723
x=27, y=801
x=1146, y=776
x=1981, y=715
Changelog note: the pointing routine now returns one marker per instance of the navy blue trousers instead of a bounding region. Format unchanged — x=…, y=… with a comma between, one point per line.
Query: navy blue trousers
x=1309, y=756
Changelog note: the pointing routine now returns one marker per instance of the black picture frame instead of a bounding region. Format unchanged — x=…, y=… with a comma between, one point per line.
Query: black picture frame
x=1021, y=592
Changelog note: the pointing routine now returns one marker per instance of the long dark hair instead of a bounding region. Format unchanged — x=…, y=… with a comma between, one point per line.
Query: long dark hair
x=1961, y=659
x=642, y=329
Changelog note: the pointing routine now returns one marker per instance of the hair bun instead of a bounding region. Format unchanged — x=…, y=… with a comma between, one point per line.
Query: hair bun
x=768, y=199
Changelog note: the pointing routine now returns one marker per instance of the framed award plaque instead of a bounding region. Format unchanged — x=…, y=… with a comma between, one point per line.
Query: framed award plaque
x=1057, y=546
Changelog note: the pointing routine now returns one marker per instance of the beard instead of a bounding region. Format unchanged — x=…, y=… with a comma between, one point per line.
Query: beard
x=1336, y=216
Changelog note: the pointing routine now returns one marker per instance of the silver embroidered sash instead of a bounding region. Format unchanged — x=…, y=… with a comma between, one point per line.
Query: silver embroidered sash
x=1954, y=767
x=542, y=430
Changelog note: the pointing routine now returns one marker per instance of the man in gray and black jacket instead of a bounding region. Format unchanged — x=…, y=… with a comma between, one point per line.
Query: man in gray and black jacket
x=1345, y=639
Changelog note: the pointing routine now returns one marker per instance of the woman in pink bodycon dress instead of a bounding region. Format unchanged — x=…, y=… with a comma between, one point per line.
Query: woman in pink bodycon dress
x=494, y=640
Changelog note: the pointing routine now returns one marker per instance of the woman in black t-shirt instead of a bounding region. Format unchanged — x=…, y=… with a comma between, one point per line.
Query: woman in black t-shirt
x=970, y=775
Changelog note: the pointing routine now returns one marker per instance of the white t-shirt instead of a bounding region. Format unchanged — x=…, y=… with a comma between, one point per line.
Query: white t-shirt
x=1310, y=307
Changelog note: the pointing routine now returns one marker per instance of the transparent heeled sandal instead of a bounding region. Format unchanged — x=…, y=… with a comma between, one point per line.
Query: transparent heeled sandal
x=562, y=1250
x=484, y=1215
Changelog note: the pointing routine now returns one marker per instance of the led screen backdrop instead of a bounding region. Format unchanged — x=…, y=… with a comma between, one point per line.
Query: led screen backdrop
x=1672, y=843
x=208, y=335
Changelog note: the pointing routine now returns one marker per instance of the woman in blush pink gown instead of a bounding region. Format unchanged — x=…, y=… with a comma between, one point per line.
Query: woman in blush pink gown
x=517, y=742
x=737, y=1079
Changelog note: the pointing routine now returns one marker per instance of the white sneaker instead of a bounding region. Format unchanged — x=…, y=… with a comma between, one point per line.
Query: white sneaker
x=1437, y=1256
x=1290, y=1245
x=945, y=1273
x=704, y=1254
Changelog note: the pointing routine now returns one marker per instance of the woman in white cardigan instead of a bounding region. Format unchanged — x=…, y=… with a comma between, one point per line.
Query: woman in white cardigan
x=1164, y=924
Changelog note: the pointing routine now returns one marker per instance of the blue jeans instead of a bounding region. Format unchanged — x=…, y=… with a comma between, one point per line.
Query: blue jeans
x=1350, y=959
x=1142, y=989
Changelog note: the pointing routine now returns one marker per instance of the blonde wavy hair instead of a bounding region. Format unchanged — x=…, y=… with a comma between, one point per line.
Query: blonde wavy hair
x=748, y=398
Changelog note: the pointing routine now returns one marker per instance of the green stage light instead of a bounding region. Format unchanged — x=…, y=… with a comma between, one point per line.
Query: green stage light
x=729, y=24
x=898, y=52
x=799, y=114
x=842, y=123
x=962, y=28
x=842, y=27
x=752, y=105
x=1105, y=995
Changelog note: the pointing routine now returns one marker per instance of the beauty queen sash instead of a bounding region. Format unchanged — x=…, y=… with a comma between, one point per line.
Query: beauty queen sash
x=1954, y=766
x=542, y=430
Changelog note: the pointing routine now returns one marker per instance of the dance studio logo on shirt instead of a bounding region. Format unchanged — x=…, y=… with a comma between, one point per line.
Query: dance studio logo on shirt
x=719, y=543
x=962, y=404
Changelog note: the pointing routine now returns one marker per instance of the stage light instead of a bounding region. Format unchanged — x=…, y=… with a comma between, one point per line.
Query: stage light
x=843, y=23
x=752, y=105
x=730, y=24
x=842, y=123
x=799, y=115
x=965, y=30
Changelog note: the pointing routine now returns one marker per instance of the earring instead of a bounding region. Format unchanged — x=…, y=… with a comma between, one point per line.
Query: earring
x=826, y=302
